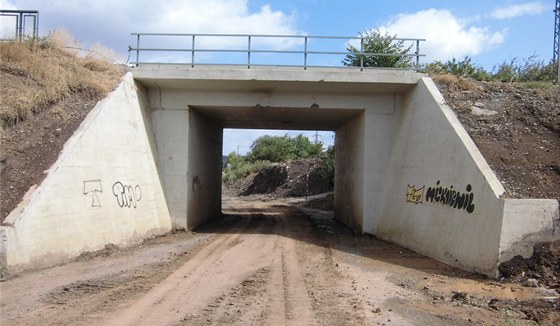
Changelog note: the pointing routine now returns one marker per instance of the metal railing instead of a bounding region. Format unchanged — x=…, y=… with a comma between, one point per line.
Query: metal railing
x=301, y=49
x=21, y=17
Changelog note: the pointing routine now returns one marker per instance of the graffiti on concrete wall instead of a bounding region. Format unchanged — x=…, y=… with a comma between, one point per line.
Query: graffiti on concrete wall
x=438, y=194
x=93, y=188
x=127, y=196
x=451, y=197
x=414, y=195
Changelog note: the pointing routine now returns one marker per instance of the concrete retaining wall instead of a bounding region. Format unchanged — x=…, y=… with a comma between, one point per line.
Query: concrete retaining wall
x=442, y=198
x=104, y=188
x=526, y=223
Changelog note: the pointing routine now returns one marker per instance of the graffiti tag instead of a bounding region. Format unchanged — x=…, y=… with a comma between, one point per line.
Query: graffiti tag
x=93, y=187
x=127, y=196
x=451, y=197
x=414, y=195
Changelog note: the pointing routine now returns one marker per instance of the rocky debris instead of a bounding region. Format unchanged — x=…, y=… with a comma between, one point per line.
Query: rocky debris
x=541, y=269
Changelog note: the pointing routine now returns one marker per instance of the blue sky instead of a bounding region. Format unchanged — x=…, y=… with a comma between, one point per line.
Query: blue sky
x=490, y=32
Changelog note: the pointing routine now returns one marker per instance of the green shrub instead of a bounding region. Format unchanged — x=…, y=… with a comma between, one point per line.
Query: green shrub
x=241, y=170
x=283, y=148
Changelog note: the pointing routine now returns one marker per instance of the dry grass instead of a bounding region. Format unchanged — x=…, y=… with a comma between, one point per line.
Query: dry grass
x=455, y=83
x=36, y=75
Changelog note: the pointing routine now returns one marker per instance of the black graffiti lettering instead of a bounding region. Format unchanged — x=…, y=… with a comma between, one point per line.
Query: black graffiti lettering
x=93, y=187
x=451, y=197
x=430, y=194
x=460, y=200
x=127, y=196
x=470, y=206
x=438, y=195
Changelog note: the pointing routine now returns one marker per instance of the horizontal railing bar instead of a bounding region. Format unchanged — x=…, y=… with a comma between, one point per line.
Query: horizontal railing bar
x=242, y=65
x=274, y=36
x=280, y=51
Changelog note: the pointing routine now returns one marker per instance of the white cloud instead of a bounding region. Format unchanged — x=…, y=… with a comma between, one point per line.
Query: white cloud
x=446, y=35
x=529, y=8
x=7, y=24
x=110, y=22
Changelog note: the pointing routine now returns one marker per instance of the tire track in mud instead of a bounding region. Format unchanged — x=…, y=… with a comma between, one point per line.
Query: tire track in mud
x=275, y=294
x=86, y=288
x=186, y=289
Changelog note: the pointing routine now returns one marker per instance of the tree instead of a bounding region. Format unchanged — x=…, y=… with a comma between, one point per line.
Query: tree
x=270, y=148
x=302, y=147
x=283, y=148
x=375, y=42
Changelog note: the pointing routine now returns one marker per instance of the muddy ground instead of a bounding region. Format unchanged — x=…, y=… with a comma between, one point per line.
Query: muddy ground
x=268, y=262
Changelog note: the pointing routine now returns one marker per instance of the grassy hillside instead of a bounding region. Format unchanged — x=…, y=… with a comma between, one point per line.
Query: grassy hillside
x=38, y=74
x=47, y=88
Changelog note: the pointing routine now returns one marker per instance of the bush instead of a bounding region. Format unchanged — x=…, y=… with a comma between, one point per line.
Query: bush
x=531, y=70
x=239, y=168
x=463, y=68
x=327, y=170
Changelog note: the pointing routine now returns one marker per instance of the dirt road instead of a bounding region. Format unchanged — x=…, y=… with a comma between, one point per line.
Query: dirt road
x=266, y=263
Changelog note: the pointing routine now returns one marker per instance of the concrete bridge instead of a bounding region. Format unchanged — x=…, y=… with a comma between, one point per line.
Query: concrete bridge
x=148, y=159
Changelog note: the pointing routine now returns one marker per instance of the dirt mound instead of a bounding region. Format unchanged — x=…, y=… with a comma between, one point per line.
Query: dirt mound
x=267, y=180
x=293, y=179
x=541, y=269
x=515, y=127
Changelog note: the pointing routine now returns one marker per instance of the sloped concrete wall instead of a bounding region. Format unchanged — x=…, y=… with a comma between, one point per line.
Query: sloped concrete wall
x=104, y=188
x=442, y=198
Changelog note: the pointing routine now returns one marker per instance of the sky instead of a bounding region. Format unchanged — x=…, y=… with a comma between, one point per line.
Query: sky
x=489, y=31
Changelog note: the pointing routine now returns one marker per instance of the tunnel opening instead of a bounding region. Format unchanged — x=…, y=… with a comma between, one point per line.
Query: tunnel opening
x=217, y=133
x=288, y=165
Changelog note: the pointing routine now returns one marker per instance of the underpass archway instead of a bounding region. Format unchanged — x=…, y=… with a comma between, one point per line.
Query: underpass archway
x=190, y=110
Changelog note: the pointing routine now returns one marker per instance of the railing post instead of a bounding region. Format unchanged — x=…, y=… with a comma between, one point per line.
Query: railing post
x=137, y=49
x=417, y=55
x=249, y=53
x=305, y=55
x=361, y=53
x=192, y=52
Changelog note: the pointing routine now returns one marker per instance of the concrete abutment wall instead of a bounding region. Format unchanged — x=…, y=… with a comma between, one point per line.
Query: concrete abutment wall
x=103, y=189
x=406, y=170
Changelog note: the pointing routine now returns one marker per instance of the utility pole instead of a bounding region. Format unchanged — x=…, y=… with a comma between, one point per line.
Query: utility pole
x=556, y=55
